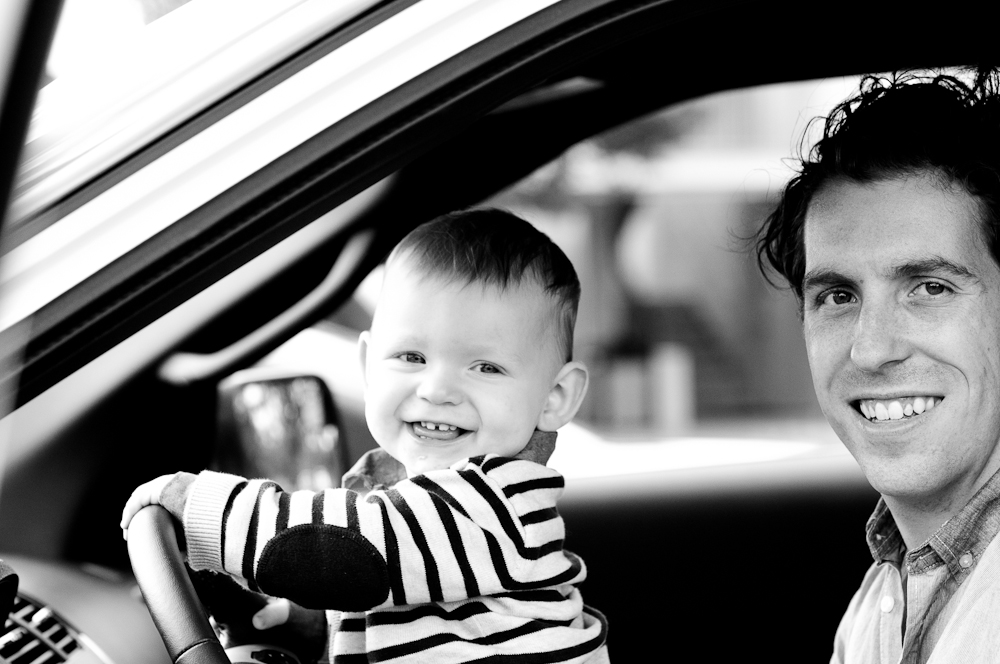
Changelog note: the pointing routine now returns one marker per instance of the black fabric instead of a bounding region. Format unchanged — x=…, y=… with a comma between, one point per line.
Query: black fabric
x=354, y=578
x=8, y=590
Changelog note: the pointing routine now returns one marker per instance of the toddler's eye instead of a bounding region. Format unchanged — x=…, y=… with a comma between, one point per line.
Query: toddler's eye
x=412, y=358
x=487, y=368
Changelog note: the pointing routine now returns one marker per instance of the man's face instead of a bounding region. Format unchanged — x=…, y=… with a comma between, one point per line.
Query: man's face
x=902, y=326
x=454, y=370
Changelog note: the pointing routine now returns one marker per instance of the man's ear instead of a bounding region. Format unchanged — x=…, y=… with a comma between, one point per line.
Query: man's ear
x=364, y=341
x=565, y=396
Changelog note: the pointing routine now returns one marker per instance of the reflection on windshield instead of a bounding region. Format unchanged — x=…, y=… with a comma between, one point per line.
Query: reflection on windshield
x=91, y=30
x=122, y=73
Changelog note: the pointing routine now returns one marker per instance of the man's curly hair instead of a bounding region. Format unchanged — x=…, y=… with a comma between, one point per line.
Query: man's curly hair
x=897, y=125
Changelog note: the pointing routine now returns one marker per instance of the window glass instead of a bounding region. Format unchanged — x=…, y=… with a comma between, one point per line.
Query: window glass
x=122, y=73
x=684, y=338
x=92, y=30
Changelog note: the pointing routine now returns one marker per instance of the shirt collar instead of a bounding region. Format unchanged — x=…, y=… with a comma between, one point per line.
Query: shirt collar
x=961, y=539
x=884, y=540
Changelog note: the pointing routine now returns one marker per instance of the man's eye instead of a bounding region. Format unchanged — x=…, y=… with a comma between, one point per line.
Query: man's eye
x=487, y=368
x=932, y=288
x=837, y=297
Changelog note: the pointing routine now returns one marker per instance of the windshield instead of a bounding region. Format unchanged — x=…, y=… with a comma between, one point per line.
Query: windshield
x=58, y=240
x=123, y=73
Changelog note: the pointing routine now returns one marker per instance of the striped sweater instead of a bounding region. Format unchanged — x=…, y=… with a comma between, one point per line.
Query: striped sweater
x=456, y=565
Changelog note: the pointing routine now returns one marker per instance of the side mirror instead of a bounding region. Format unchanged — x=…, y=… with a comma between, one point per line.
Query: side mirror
x=280, y=426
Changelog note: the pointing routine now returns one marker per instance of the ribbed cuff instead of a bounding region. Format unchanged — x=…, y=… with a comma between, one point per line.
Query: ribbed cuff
x=203, y=514
x=174, y=495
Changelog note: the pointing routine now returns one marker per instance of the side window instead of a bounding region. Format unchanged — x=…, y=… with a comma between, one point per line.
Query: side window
x=683, y=336
x=681, y=332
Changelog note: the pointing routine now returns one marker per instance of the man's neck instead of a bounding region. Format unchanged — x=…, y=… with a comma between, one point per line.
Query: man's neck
x=919, y=518
x=917, y=523
x=915, y=527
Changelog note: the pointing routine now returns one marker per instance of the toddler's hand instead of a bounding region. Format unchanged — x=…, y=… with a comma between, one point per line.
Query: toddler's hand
x=302, y=630
x=273, y=614
x=145, y=494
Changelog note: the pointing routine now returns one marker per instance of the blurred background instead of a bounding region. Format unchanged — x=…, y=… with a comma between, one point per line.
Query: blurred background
x=677, y=324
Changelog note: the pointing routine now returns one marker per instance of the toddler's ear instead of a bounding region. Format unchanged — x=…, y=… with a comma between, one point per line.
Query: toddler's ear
x=565, y=396
x=363, y=342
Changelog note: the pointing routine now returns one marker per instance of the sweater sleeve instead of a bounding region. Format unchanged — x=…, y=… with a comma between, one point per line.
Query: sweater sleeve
x=488, y=525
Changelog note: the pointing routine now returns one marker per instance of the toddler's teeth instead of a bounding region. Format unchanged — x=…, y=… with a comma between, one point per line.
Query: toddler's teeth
x=437, y=426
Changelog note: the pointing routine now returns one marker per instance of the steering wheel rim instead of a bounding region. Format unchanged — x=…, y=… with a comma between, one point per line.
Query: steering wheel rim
x=170, y=596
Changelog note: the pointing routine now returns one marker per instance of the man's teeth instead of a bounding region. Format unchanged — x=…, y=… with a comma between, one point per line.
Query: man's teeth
x=897, y=409
x=437, y=426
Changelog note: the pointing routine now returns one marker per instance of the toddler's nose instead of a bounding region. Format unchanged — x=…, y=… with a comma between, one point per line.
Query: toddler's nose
x=439, y=387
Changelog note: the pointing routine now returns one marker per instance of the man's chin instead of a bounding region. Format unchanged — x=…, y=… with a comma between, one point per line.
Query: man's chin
x=905, y=480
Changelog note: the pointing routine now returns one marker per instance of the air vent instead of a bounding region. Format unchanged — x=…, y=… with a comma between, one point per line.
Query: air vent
x=34, y=634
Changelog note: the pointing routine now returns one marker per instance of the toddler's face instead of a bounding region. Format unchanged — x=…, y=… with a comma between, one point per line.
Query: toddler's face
x=454, y=370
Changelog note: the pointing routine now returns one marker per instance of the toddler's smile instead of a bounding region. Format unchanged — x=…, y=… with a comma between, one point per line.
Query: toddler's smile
x=437, y=431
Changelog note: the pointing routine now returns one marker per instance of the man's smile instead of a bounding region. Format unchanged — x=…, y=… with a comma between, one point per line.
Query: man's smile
x=895, y=408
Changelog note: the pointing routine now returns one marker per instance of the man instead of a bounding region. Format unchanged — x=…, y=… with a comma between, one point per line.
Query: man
x=888, y=236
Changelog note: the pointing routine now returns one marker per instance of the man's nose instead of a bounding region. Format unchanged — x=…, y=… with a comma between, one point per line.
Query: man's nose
x=439, y=386
x=879, y=336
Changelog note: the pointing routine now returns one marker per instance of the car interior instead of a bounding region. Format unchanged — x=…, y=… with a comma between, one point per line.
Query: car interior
x=178, y=355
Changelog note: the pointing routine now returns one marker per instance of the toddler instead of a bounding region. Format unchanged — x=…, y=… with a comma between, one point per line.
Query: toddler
x=445, y=543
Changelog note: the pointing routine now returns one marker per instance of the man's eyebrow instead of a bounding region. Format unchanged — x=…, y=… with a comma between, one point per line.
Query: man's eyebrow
x=824, y=278
x=929, y=266
x=827, y=277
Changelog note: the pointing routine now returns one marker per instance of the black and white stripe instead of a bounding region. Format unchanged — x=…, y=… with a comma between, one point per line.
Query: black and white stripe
x=474, y=556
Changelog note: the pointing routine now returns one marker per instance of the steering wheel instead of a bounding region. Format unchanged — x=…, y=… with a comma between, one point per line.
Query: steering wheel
x=170, y=596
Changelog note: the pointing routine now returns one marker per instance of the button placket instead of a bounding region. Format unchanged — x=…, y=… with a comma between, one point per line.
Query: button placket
x=891, y=617
x=887, y=604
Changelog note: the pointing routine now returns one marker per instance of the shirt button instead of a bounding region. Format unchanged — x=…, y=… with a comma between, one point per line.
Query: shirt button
x=966, y=560
x=887, y=604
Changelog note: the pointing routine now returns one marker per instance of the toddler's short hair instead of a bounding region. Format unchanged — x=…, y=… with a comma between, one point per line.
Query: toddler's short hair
x=496, y=248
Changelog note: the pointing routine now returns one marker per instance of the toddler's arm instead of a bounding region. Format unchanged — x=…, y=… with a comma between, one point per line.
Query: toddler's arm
x=171, y=491
x=487, y=528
